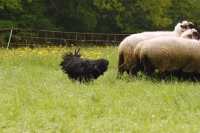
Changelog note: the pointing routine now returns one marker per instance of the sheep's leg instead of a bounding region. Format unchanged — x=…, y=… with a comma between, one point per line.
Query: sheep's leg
x=150, y=70
x=184, y=75
x=121, y=64
x=175, y=73
x=120, y=70
x=145, y=62
x=192, y=77
x=134, y=70
x=162, y=75
x=196, y=76
x=146, y=71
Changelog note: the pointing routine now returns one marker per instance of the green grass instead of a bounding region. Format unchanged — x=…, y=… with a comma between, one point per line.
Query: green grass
x=36, y=96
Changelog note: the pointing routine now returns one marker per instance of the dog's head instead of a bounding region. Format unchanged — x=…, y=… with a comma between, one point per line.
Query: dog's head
x=102, y=65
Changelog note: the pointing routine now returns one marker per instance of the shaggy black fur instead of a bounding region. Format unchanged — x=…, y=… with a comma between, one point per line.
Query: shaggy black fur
x=82, y=69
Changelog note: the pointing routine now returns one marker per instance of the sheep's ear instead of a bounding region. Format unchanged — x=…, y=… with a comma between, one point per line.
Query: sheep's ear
x=192, y=26
x=195, y=33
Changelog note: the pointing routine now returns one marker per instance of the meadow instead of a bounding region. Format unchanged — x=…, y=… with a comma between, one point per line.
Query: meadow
x=37, y=97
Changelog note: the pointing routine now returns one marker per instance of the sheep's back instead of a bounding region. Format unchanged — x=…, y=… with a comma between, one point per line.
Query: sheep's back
x=167, y=53
x=130, y=42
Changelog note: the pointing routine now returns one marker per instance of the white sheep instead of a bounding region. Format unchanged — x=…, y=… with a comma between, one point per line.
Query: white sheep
x=126, y=58
x=169, y=54
x=189, y=34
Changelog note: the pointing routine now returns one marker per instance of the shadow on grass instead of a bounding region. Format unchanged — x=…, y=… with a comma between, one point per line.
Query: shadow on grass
x=156, y=79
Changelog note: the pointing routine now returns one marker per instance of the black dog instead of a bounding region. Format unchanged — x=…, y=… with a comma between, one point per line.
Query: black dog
x=82, y=69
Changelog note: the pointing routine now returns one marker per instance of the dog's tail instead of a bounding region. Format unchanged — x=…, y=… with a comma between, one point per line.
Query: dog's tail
x=76, y=53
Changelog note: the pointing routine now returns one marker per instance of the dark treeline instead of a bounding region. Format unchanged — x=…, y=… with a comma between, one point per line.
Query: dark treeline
x=107, y=16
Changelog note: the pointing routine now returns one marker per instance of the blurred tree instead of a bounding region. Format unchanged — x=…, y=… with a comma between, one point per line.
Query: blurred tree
x=13, y=4
x=34, y=16
x=73, y=15
x=132, y=16
x=110, y=16
x=184, y=10
x=194, y=12
x=29, y=15
x=154, y=14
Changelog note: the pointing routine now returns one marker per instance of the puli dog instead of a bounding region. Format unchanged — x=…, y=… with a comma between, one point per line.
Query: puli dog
x=82, y=69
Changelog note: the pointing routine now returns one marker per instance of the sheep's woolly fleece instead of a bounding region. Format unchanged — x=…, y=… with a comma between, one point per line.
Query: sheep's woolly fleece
x=189, y=34
x=82, y=69
x=126, y=58
x=174, y=54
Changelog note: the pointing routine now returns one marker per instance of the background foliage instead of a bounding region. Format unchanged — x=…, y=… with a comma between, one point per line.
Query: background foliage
x=110, y=16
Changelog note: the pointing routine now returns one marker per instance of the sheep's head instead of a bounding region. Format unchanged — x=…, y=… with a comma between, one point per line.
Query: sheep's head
x=182, y=27
x=185, y=25
x=191, y=34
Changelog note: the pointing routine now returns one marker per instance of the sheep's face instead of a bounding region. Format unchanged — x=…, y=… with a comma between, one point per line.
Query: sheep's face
x=181, y=27
x=185, y=25
x=191, y=34
x=195, y=34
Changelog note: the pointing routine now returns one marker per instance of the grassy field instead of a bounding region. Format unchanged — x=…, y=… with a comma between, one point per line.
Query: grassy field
x=37, y=97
